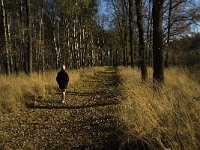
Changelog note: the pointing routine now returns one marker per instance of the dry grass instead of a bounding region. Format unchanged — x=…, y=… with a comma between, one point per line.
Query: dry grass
x=166, y=119
x=169, y=118
x=16, y=90
x=88, y=119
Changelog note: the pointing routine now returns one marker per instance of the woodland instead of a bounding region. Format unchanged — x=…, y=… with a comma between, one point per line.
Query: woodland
x=134, y=74
x=41, y=35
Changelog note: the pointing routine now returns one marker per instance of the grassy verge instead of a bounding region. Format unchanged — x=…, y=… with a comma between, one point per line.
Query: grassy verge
x=169, y=118
x=16, y=90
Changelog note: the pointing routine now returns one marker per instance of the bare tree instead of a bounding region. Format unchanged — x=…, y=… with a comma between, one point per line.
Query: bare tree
x=140, y=23
x=5, y=37
x=41, y=36
x=158, y=64
x=131, y=32
x=29, y=26
x=149, y=56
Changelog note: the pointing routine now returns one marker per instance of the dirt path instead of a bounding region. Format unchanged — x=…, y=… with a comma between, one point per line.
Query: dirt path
x=88, y=120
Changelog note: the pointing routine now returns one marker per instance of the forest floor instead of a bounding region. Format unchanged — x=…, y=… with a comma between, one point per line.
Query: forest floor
x=88, y=119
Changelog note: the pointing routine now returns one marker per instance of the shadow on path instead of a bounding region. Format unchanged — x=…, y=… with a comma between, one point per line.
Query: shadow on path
x=63, y=106
x=89, y=120
x=99, y=112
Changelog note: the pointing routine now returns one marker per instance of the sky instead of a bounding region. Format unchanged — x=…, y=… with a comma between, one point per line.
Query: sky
x=102, y=6
x=105, y=10
x=103, y=14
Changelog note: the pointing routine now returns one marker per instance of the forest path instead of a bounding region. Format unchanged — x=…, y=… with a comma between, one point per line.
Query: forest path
x=88, y=119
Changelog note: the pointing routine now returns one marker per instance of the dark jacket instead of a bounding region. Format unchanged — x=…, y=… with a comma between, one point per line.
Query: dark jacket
x=62, y=79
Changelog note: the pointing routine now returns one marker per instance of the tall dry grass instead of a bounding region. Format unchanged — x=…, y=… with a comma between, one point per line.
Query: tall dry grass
x=16, y=90
x=166, y=119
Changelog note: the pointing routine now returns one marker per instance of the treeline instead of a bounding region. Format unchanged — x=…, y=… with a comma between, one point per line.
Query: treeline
x=38, y=35
x=178, y=18
x=185, y=51
x=143, y=31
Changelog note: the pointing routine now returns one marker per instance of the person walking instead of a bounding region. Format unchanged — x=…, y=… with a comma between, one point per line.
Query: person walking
x=62, y=80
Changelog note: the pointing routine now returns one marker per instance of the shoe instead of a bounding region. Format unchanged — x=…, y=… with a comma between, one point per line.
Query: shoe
x=63, y=102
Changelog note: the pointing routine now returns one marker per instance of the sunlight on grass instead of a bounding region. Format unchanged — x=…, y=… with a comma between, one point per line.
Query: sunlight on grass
x=170, y=117
x=165, y=119
x=16, y=90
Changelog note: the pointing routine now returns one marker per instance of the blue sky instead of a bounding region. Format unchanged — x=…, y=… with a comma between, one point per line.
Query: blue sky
x=103, y=13
x=105, y=10
x=102, y=6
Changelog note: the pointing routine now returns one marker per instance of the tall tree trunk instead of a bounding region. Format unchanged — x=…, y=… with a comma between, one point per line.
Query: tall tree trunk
x=23, y=53
x=91, y=47
x=123, y=48
x=5, y=38
x=131, y=32
x=16, y=50
x=116, y=58
x=10, y=53
x=2, y=39
x=29, y=26
x=124, y=22
x=149, y=36
x=56, y=44
x=41, y=37
x=43, y=46
x=140, y=23
x=168, y=33
x=158, y=64
x=74, y=45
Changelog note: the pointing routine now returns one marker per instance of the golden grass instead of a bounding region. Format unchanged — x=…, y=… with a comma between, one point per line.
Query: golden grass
x=18, y=89
x=166, y=119
x=169, y=117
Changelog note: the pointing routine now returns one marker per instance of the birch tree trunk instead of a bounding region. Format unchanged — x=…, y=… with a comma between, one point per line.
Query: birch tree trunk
x=56, y=44
x=29, y=26
x=7, y=67
x=41, y=37
x=23, y=52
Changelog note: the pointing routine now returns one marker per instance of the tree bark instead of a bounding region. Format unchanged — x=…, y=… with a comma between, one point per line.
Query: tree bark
x=29, y=26
x=168, y=33
x=5, y=38
x=56, y=44
x=149, y=36
x=41, y=37
x=158, y=64
x=131, y=31
x=23, y=53
x=140, y=23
